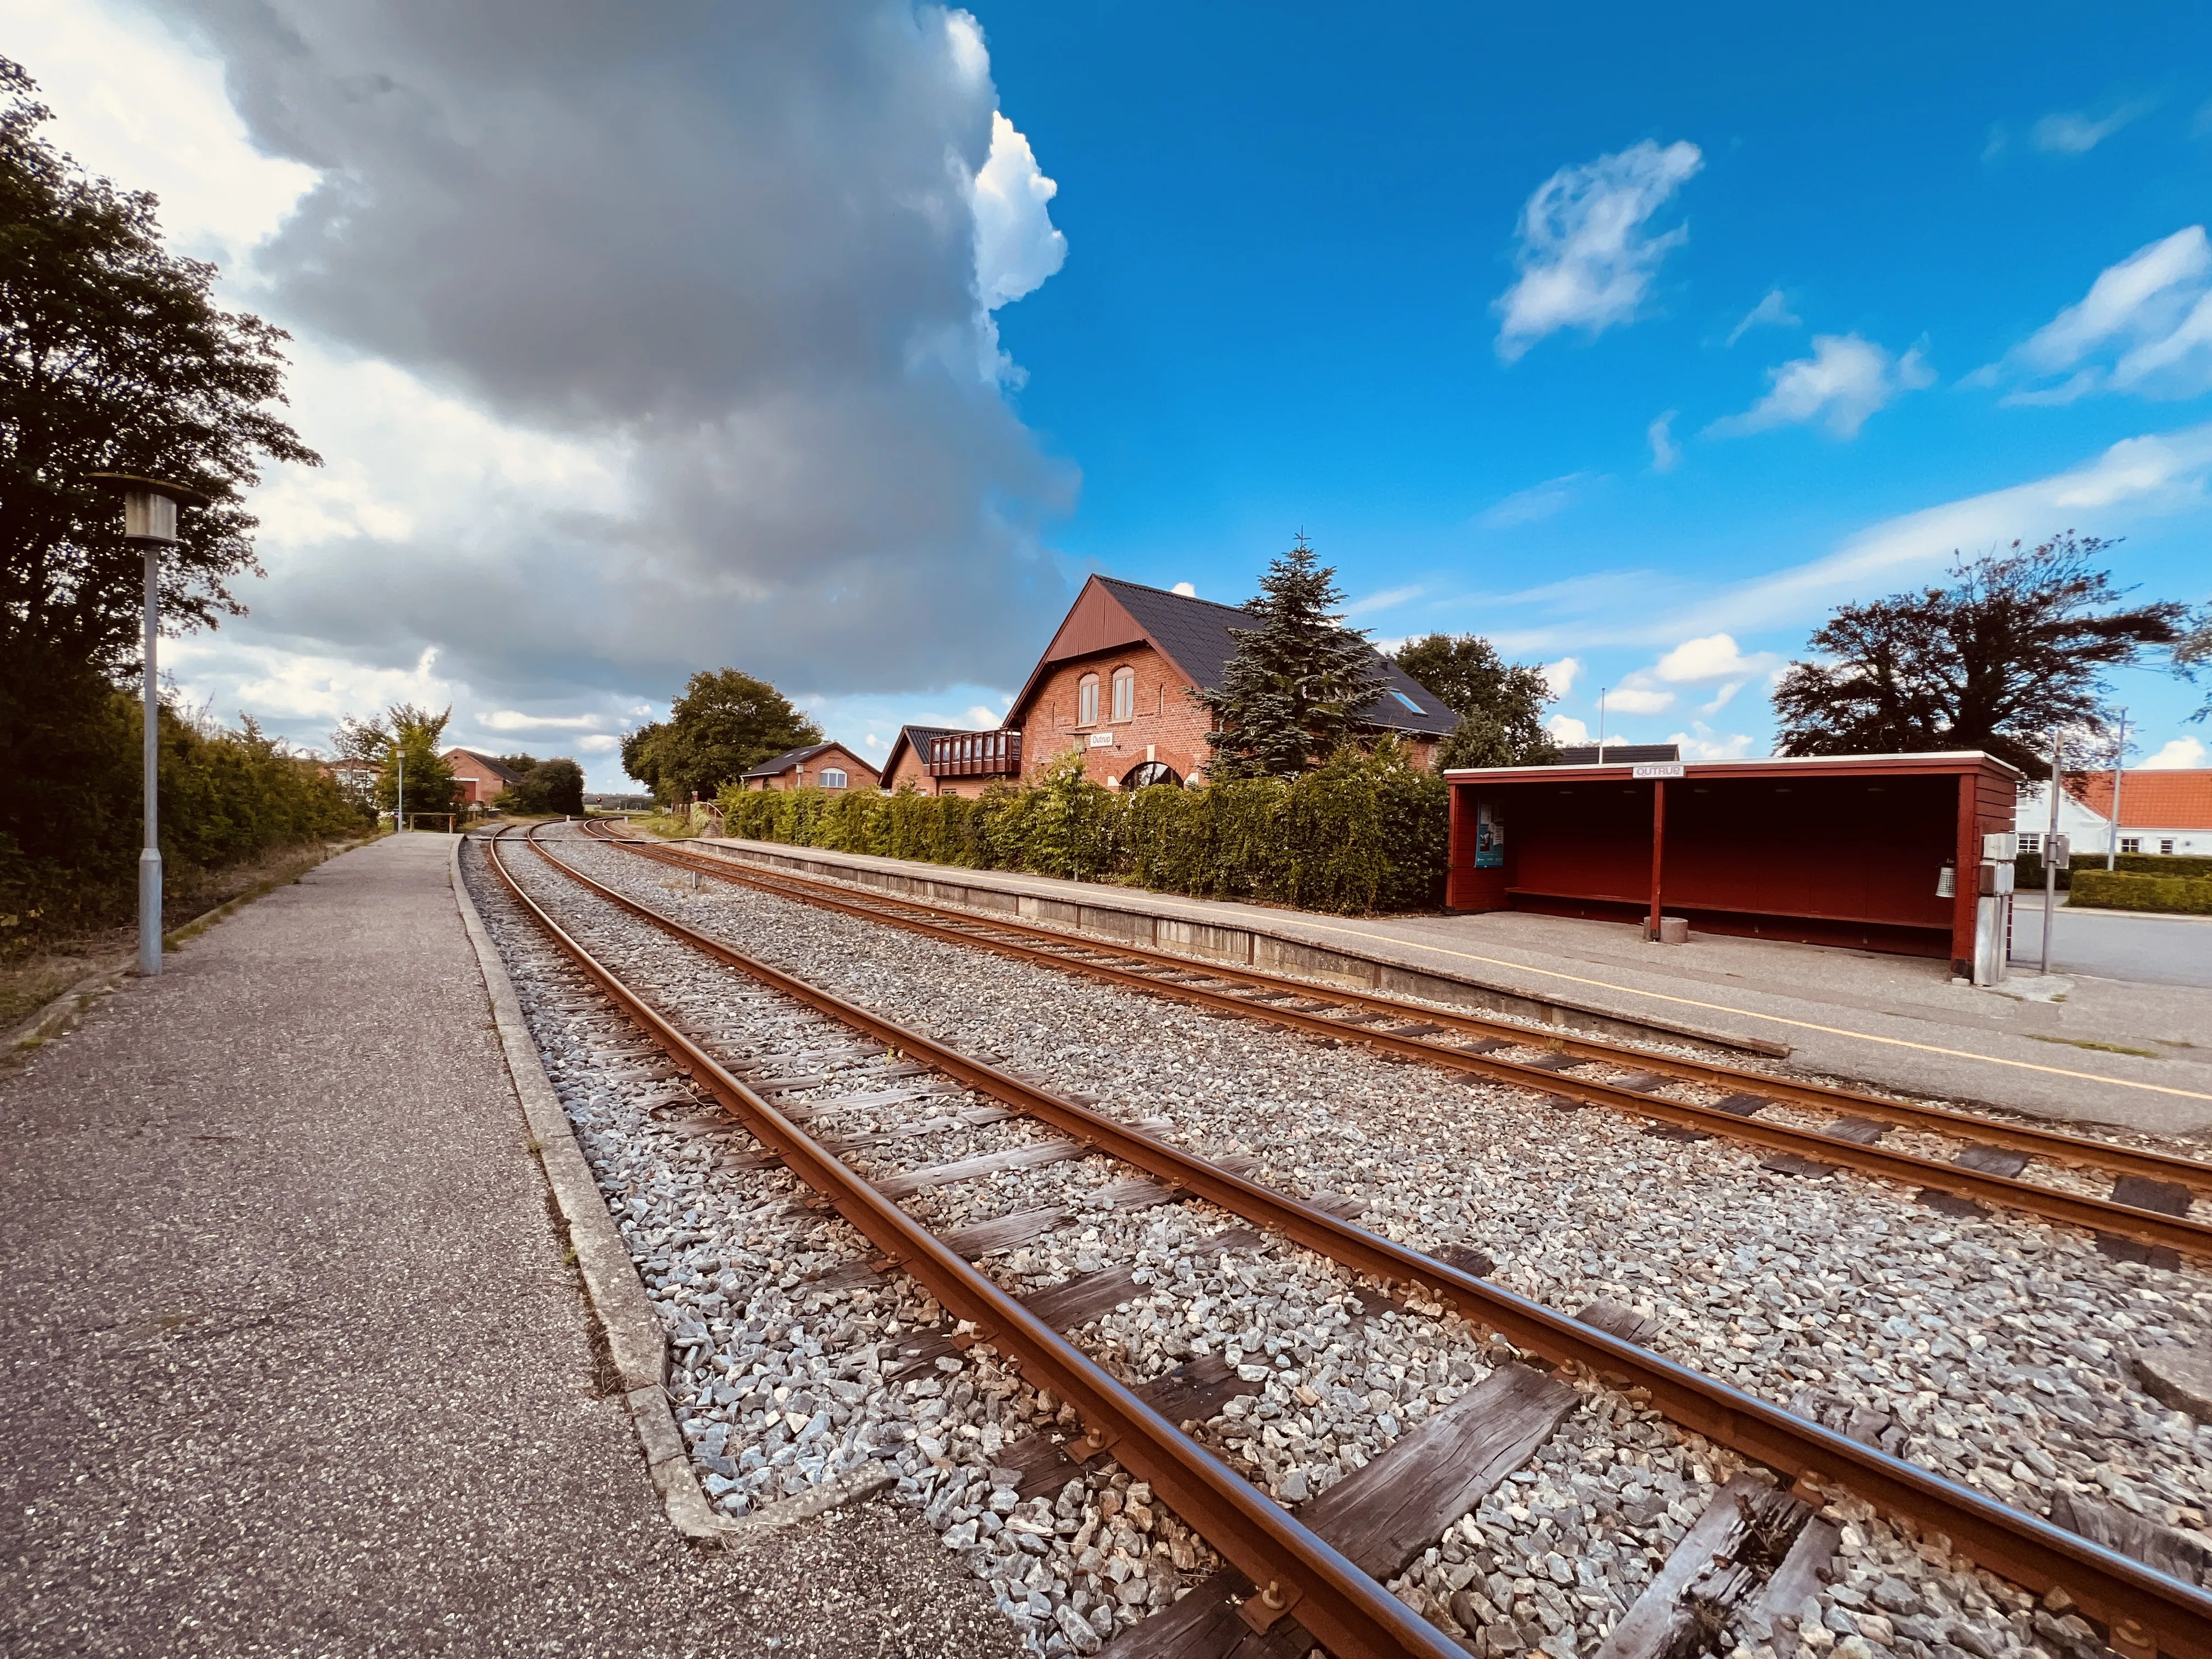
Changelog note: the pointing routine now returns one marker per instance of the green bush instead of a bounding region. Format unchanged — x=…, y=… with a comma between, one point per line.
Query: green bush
x=2125, y=889
x=69, y=820
x=2028, y=872
x=1365, y=832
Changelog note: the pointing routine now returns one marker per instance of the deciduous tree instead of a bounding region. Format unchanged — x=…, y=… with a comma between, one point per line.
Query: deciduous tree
x=2017, y=645
x=114, y=357
x=725, y=723
x=1500, y=705
x=1288, y=698
x=402, y=742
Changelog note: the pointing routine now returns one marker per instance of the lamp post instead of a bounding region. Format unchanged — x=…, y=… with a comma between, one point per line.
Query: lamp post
x=149, y=524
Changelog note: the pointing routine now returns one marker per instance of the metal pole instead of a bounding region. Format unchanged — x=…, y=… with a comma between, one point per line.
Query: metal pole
x=1658, y=848
x=2051, y=869
x=1601, y=725
x=399, y=799
x=2119, y=760
x=149, y=855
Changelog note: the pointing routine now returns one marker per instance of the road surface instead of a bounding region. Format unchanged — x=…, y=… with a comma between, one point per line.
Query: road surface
x=2115, y=945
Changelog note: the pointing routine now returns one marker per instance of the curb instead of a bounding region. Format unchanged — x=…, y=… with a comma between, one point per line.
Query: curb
x=636, y=1343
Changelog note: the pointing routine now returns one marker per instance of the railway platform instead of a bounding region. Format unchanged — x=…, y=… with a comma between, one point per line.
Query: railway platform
x=294, y=1361
x=2076, y=1048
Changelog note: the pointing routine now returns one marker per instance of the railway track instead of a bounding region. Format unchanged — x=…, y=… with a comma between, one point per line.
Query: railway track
x=2150, y=1193
x=1296, y=1572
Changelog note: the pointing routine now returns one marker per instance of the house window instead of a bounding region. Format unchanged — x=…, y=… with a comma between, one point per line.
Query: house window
x=2031, y=841
x=2165, y=847
x=1125, y=694
x=833, y=777
x=1086, y=700
x=2131, y=843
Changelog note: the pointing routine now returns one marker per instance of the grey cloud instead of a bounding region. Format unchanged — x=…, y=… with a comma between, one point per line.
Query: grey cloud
x=735, y=241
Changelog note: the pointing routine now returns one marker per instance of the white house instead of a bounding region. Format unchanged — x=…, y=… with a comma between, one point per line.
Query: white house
x=2161, y=812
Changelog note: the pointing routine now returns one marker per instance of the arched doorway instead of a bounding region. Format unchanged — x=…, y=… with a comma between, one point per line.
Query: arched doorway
x=1144, y=774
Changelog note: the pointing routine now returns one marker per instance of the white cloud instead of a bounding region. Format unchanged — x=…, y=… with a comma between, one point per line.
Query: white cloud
x=1665, y=452
x=2144, y=326
x=2076, y=132
x=1721, y=698
x=147, y=108
x=1772, y=312
x=1713, y=657
x=1188, y=590
x=1637, y=700
x=510, y=720
x=1843, y=381
x=1384, y=600
x=1536, y=501
x=1567, y=730
x=1702, y=743
x=1560, y=676
x=2179, y=755
x=1016, y=247
x=599, y=742
x=1586, y=255
x=981, y=716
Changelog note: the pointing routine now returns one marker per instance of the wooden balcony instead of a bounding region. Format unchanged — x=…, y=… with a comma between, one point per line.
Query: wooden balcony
x=976, y=754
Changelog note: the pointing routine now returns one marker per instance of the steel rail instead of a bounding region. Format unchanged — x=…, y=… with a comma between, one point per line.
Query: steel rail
x=2177, y=1233
x=2174, y=1617
x=1341, y=1606
x=2053, y=1145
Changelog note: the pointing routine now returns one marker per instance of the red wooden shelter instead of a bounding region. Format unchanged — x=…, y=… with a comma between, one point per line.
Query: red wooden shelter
x=1849, y=850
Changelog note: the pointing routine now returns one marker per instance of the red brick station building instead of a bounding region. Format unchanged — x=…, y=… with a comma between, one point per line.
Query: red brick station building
x=1118, y=684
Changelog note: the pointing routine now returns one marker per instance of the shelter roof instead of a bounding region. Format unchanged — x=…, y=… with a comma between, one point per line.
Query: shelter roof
x=1953, y=760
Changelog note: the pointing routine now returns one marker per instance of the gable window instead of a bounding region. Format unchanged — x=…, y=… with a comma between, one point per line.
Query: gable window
x=1086, y=700
x=1125, y=694
x=833, y=777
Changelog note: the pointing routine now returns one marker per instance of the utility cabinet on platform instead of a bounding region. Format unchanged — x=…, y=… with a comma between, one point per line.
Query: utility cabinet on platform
x=1894, y=853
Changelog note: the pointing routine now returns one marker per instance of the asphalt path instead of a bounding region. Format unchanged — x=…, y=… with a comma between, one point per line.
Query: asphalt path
x=290, y=1363
x=2115, y=943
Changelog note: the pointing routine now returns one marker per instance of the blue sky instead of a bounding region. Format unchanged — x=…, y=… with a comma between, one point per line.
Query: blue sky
x=1635, y=341
x=1288, y=239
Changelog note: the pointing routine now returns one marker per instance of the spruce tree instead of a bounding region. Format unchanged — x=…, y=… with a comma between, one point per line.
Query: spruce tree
x=1288, y=698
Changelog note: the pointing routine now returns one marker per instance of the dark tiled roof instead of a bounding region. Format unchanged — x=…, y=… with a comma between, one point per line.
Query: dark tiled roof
x=917, y=738
x=1619, y=754
x=790, y=758
x=1197, y=634
x=504, y=774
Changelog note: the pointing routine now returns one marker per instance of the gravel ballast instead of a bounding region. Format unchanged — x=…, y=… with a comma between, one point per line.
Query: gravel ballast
x=1998, y=1351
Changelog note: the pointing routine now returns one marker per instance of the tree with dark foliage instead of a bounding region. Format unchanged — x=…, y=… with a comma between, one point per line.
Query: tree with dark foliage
x=543, y=787
x=2017, y=646
x=1289, y=694
x=113, y=358
x=724, y=724
x=1500, y=705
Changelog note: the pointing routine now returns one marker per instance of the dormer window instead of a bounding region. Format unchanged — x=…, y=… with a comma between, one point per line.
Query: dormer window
x=1086, y=700
x=1125, y=694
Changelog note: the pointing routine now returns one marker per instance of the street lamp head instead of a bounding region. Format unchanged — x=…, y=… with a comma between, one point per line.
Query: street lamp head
x=149, y=506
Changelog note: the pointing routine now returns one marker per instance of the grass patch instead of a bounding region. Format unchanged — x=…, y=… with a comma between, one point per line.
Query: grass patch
x=2101, y=1048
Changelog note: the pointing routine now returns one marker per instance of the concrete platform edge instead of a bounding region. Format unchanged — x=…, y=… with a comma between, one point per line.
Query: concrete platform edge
x=1112, y=913
x=636, y=1344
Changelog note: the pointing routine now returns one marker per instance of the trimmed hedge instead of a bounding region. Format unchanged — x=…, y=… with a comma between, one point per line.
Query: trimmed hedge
x=2028, y=872
x=1365, y=832
x=2122, y=890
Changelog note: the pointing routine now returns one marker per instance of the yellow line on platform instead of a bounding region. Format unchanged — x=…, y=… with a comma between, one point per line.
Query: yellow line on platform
x=1773, y=1020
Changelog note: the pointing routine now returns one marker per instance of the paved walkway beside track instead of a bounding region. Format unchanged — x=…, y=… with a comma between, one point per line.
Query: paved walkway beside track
x=293, y=1362
x=2078, y=1048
